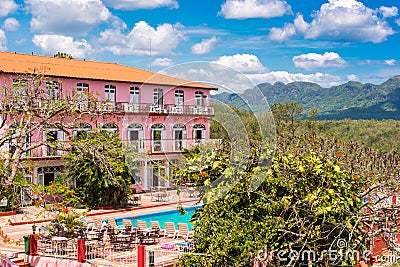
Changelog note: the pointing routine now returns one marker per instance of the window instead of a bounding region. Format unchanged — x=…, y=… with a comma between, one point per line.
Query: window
x=158, y=97
x=110, y=127
x=82, y=88
x=52, y=91
x=136, y=136
x=199, y=131
x=134, y=94
x=53, y=139
x=20, y=88
x=81, y=130
x=158, y=135
x=109, y=93
x=135, y=132
x=179, y=98
x=199, y=99
x=179, y=136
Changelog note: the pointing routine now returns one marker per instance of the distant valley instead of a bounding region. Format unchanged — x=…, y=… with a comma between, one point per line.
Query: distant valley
x=350, y=100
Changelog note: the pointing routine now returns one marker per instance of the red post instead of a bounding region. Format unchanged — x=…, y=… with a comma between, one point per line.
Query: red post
x=141, y=256
x=394, y=198
x=81, y=250
x=33, y=242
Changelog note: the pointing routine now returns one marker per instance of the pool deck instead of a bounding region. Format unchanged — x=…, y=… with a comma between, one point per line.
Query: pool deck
x=16, y=226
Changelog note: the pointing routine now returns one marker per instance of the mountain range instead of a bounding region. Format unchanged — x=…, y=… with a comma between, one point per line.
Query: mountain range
x=351, y=100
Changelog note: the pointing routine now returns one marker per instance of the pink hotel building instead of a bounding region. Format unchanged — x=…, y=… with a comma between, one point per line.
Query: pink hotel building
x=158, y=115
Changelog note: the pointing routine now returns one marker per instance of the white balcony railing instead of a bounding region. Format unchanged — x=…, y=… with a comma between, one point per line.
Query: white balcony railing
x=145, y=146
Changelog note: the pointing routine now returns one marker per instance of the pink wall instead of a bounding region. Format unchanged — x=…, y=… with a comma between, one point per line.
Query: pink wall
x=122, y=95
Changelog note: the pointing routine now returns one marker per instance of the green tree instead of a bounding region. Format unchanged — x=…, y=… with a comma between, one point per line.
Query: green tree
x=286, y=114
x=304, y=203
x=319, y=194
x=97, y=165
x=63, y=55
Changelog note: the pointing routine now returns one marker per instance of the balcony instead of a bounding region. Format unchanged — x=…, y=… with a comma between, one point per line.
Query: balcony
x=145, y=146
x=166, y=145
x=165, y=109
x=146, y=108
x=143, y=108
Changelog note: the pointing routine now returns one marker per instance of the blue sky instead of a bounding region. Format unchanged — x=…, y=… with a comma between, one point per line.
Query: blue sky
x=328, y=42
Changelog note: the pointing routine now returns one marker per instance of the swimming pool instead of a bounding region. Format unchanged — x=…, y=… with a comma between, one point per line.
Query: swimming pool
x=162, y=217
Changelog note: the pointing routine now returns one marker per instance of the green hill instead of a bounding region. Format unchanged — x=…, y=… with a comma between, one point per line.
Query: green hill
x=350, y=100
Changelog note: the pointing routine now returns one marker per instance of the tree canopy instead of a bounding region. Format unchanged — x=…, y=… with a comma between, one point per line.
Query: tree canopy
x=96, y=164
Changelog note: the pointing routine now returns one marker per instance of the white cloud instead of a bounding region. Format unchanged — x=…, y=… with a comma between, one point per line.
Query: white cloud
x=390, y=62
x=348, y=20
x=341, y=20
x=51, y=44
x=352, y=77
x=162, y=62
x=230, y=79
x=11, y=24
x=206, y=46
x=300, y=24
x=323, y=79
x=142, y=39
x=282, y=34
x=3, y=41
x=242, y=62
x=314, y=61
x=140, y=4
x=398, y=22
x=7, y=7
x=243, y=9
x=389, y=11
x=70, y=17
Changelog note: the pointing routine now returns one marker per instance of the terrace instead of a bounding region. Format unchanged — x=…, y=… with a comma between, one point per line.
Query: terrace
x=143, y=108
x=112, y=248
x=147, y=146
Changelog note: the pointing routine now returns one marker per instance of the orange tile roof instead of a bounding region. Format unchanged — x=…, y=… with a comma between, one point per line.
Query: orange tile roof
x=85, y=69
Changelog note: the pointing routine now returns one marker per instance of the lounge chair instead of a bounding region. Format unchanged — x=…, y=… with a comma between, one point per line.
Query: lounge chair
x=113, y=224
x=183, y=231
x=142, y=225
x=127, y=225
x=98, y=224
x=156, y=225
x=170, y=230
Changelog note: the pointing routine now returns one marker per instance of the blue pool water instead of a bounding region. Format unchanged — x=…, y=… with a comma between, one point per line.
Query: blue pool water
x=162, y=217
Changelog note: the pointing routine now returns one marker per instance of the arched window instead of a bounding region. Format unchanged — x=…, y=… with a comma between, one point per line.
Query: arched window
x=135, y=132
x=180, y=136
x=81, y=130
x=135, y=136
x=158, y=136
x=110, y=127
x=199, y=131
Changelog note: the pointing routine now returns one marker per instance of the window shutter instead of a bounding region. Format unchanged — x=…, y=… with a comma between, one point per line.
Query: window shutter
x=203, y=134
x=40, y=179
x=163, y=140
x=184, y=138
x=141, y=139
x=44, y=147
